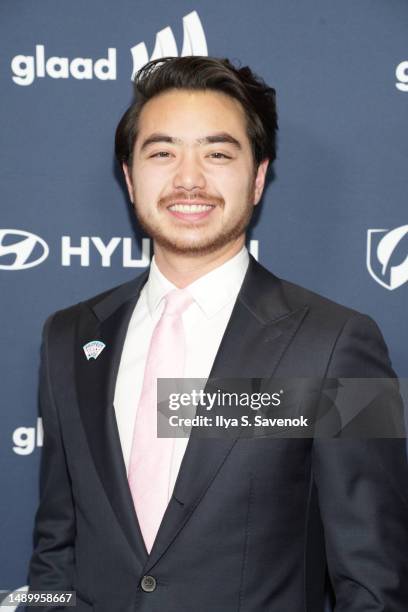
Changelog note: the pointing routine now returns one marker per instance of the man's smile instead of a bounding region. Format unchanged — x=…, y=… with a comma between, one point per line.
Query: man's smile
x=190, y=211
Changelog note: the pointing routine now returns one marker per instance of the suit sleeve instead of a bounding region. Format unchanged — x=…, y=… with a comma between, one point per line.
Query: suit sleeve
x=52, y=561
x=362, y=489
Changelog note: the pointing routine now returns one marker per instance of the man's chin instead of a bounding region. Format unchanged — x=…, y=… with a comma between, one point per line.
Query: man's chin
x=192, y=248
x=195, y=244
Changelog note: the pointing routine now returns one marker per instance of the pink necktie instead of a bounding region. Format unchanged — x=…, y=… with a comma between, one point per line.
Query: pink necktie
x=150, y=457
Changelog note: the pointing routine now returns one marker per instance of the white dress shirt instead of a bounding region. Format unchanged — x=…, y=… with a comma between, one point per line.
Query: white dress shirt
x=204, y=323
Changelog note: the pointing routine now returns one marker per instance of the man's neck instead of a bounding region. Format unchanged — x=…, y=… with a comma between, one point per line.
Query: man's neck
x=182, y=270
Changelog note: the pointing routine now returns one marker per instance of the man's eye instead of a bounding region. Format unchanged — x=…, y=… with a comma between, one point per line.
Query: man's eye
x=161, y=154
x=220, y=154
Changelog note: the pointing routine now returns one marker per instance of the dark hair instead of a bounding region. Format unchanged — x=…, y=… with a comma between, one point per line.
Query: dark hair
x=202, y=73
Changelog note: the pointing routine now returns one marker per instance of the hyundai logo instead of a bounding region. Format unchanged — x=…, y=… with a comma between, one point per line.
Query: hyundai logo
x=27, y=250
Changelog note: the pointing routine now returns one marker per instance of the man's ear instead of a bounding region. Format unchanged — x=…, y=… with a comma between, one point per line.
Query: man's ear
x=128, y=178
x=260, y=180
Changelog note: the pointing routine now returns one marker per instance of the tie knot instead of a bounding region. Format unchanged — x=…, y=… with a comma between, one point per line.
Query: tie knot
x=177, y=301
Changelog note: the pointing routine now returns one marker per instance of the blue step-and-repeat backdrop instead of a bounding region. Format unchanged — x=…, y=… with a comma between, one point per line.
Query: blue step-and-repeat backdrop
x=334, y=219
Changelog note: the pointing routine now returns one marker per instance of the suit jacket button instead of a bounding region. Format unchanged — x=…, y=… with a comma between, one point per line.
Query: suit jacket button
x=148, y=584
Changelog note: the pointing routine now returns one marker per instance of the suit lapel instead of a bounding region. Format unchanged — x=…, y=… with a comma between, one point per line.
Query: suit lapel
x=260, y=328
x=107, y=321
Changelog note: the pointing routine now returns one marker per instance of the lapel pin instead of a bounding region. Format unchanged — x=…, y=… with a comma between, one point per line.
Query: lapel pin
x=93, y=349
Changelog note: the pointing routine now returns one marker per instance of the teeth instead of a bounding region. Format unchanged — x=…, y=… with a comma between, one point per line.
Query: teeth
x=190, y=208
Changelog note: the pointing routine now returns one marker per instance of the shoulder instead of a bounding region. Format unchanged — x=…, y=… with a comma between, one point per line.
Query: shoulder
x=112, y=297
x=321, y=310
x=347, y=337
x=315, y=301
x=358, y=345
x=324, y=312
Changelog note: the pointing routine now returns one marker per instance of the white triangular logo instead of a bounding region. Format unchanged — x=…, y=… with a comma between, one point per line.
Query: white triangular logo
x=194, y=43
x=93, y=349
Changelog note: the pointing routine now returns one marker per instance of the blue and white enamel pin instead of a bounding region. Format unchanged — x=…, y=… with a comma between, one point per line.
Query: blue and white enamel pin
x=93, y=349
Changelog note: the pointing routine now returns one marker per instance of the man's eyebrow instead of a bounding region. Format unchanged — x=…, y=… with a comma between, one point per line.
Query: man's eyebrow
x=158, y=137
x=220, y=137
x=213, y=138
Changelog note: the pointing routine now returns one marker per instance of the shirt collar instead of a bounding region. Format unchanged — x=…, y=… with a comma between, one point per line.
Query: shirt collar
x=211, y=292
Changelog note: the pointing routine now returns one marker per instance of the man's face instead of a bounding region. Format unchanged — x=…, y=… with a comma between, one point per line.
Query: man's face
x=192, y=180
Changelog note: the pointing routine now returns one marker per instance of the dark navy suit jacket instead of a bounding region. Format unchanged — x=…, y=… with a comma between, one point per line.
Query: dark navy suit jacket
x=253, y=523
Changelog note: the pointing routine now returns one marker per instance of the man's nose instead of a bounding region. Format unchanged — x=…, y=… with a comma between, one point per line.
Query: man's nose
x=189, y=174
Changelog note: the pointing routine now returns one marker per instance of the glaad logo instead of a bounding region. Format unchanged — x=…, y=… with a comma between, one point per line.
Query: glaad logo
x=194, y=43
x=26, y=439
x=26, y=68
x=384, y=247
x=26, y=252
x=401, y=73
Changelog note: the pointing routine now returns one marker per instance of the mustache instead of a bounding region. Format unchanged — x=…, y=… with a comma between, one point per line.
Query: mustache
x=190, y=198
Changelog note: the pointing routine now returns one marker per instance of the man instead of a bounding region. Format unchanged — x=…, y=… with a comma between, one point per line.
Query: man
x=135, y=522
